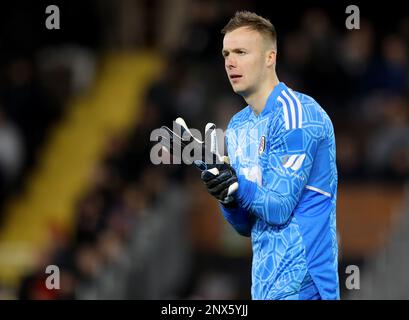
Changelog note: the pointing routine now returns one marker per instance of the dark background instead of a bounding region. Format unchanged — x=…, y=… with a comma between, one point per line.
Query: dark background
x=140, y=231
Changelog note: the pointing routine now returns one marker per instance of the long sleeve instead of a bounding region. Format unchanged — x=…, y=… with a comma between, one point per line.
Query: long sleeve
x=239, y=218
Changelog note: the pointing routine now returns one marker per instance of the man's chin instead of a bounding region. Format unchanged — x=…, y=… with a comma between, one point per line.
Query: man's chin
x=238, y=90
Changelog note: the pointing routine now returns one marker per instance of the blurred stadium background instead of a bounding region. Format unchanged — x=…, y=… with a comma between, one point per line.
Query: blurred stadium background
x=78, y=104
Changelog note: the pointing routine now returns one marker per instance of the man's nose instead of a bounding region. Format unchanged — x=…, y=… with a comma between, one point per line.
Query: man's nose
x=230, y=63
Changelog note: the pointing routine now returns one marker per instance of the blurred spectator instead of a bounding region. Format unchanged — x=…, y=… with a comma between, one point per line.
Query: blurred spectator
x=390, y=73
x=403, y=27
x=200, y=35
x=11, y=157
x=89, y=218
x=357, y=49
x=348, y=155
x=88, y=269
x=296, y=55
x=215, y=286
x=322, y=64
x=72, y=65
x=388, y=146
x=396, y=68
x=356, y=54
x=11, y=150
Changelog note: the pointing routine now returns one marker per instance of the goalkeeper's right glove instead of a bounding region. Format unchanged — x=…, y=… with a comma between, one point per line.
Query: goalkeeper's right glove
x=181, y=137
x=219, y=177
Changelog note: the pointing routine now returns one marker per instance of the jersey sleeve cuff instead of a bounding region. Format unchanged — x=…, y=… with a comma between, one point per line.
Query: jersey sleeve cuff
x=246, y=192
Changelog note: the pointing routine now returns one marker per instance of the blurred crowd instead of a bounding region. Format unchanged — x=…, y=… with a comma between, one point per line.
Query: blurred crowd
x=130, y=238
x=39, y=73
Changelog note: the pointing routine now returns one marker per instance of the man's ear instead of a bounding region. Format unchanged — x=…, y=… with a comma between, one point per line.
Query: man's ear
x=271, y=57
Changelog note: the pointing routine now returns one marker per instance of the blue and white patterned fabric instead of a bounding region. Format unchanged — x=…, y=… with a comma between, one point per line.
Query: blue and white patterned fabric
x=285, y=161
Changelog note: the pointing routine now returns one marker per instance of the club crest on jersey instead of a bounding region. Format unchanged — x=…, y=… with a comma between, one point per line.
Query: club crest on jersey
x=262, y=145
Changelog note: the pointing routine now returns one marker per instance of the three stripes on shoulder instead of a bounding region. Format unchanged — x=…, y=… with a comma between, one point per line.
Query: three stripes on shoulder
x=292, y=109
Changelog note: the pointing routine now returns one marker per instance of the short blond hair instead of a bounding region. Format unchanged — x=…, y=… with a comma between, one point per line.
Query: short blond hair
x=254, y=22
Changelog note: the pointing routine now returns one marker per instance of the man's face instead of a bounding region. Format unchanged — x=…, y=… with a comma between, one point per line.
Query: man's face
x=246, y=59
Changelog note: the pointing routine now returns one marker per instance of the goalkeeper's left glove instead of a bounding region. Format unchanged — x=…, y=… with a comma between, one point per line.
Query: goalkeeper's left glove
x=221, y=182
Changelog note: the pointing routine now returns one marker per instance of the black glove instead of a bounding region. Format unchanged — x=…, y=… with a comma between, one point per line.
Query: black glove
x=221, y=182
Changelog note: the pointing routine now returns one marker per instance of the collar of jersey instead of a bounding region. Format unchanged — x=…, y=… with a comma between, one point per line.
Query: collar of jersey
x=271, y=100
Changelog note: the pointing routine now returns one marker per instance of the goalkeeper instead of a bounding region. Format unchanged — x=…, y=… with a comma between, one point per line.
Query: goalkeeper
x=280, y=187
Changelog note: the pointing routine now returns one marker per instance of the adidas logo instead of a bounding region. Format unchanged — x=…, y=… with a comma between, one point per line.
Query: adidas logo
x=294, y=161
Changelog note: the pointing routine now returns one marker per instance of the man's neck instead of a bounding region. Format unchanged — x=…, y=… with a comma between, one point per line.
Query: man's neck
x=257, y=101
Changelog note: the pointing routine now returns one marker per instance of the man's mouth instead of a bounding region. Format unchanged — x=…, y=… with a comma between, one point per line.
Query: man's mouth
x=235, y=77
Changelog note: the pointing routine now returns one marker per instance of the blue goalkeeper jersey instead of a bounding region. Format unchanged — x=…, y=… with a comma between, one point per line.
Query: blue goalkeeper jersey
x=285, y=161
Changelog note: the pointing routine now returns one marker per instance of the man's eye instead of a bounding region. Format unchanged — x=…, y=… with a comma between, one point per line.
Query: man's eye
x=241, y=53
